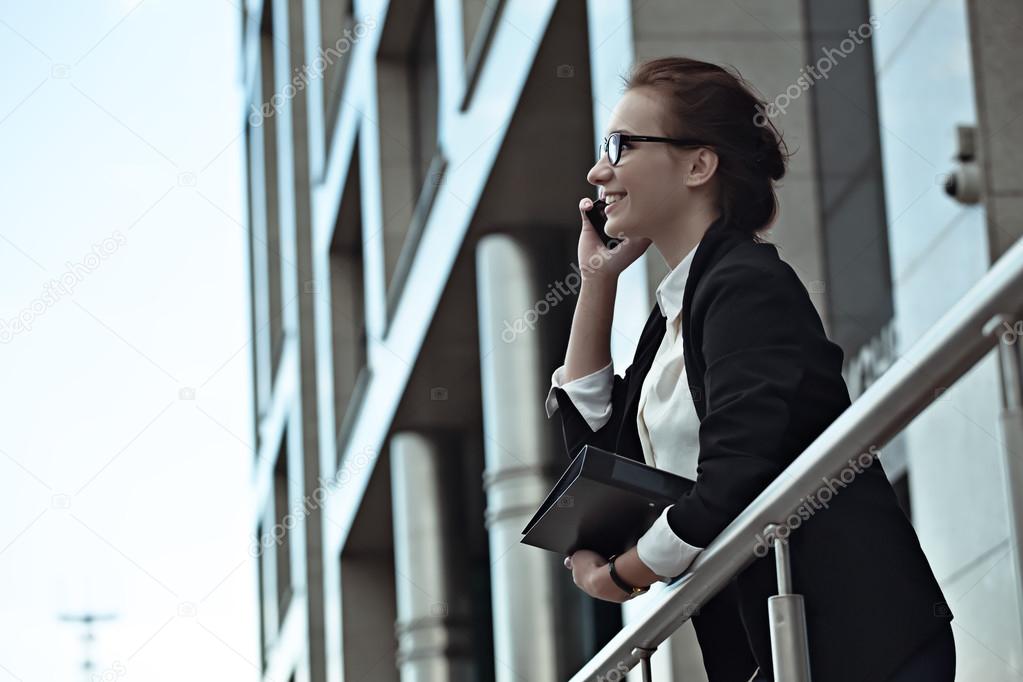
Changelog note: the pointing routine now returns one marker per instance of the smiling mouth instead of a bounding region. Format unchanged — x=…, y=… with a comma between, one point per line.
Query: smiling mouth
x=609, y=208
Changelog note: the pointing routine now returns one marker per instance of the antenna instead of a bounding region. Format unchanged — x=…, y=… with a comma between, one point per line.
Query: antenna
x=88, y=620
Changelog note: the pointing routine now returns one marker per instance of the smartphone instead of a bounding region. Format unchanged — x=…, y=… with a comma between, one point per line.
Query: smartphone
x=598, y=219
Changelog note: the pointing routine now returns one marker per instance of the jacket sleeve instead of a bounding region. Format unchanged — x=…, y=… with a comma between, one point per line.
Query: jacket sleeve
x=577, y=431
x=754, y=318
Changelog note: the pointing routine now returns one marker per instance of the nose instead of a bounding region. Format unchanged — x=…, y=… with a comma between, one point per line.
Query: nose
x=600, y=173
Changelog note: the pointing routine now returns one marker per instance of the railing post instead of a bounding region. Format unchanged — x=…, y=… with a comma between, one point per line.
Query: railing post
x=789, y=649
x=1009, y=333
x=644, y=659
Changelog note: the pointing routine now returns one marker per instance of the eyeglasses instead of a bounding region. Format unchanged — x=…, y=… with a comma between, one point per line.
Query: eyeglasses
x=615, y=142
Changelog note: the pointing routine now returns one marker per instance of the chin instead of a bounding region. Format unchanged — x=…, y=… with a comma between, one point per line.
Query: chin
x=619, y=229
x=613, y=227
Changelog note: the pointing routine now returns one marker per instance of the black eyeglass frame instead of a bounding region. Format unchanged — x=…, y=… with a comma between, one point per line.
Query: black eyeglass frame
x=626, y=138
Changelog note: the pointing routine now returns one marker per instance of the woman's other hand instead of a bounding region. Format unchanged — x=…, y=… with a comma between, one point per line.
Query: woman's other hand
x=591, y=574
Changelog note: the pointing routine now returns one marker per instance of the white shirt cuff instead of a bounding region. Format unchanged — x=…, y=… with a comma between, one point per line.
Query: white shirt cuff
x=591, y=395
x=663, y=552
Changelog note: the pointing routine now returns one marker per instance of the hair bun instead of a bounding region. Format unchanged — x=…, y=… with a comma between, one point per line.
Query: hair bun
x=768, y=156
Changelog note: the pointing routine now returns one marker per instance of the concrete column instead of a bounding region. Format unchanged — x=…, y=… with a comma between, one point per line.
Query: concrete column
x=997, y=61
x=518, y=460
x=434, y=611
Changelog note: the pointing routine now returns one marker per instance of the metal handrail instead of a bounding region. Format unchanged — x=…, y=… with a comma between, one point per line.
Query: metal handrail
x=946, y=351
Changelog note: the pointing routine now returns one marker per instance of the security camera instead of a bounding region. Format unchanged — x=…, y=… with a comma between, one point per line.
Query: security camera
x=964, y=183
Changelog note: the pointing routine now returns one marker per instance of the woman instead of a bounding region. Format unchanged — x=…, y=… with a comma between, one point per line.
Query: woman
x=733, y=378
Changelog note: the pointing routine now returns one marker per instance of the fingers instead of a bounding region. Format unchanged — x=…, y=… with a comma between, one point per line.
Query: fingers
x=584, y=206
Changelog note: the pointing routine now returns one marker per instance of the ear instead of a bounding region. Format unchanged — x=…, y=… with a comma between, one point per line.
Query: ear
x=701, y=166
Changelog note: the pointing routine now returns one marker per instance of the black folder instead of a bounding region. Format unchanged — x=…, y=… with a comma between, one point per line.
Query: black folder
x=603, y=502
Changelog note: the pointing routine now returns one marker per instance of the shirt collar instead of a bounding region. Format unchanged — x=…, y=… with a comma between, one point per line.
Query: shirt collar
x=672, y=287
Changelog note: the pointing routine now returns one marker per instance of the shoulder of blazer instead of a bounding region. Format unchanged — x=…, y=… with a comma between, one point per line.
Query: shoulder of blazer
x=721, y=257
x=747, y=261
x=760, y=298
x=745, y=264
x=768, y=289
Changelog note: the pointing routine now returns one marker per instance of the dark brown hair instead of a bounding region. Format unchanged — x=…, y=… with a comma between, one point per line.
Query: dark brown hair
x=716, y=105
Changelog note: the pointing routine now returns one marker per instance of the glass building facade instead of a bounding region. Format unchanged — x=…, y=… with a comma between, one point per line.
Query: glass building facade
x=414, y=169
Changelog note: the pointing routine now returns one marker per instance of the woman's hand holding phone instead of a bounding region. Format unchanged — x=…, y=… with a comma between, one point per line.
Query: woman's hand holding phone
x=600, y=255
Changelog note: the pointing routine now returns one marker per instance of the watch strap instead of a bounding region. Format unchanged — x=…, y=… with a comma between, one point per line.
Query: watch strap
x=625, y=587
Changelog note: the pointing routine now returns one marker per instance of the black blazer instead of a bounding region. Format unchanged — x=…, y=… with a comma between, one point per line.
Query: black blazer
x=766, y=381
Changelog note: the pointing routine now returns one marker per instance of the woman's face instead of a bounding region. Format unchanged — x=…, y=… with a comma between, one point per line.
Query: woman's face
x=649, y=174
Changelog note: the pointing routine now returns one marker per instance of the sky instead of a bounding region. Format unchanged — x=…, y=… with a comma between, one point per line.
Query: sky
x=126, y=447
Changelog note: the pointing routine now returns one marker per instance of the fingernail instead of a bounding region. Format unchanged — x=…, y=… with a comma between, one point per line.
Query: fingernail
x=568, y=563
x=587, y=205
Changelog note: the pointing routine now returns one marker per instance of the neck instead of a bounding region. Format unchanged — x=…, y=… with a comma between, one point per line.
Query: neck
x=685, y=234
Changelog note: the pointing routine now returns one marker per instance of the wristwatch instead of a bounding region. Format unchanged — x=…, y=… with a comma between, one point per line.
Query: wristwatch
x=626, y=587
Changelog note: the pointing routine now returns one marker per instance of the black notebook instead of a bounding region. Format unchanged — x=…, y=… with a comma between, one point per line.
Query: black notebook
x=603, y=502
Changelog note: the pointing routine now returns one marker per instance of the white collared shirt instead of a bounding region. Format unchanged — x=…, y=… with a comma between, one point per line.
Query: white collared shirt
x=666, y=419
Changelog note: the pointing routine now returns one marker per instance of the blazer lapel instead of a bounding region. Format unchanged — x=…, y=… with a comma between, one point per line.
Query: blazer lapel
x=646, y=349
x=707, y=252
